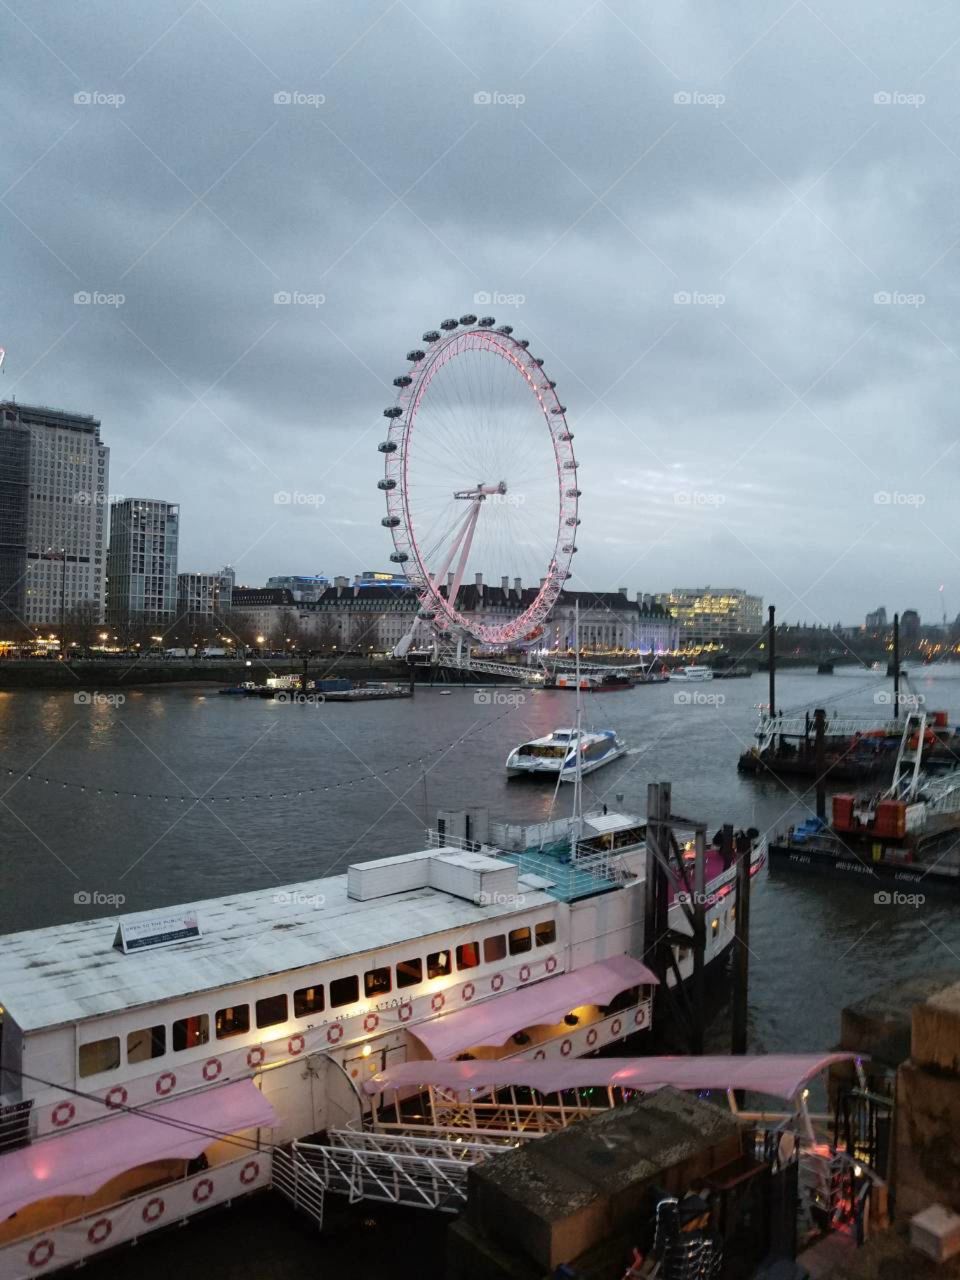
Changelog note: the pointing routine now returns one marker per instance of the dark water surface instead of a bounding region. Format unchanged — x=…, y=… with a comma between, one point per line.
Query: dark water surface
x=816, y=945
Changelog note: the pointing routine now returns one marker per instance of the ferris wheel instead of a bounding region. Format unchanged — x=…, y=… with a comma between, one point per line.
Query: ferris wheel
x=480, y=480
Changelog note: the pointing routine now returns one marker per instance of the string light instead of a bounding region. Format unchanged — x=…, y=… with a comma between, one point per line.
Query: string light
x=296, y=791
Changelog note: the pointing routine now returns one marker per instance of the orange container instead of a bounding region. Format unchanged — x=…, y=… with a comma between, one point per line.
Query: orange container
x=843, y=813
x=891, y=819
x=940, y=719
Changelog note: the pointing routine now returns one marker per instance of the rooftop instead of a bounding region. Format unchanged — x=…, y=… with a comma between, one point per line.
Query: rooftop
x=70, y=972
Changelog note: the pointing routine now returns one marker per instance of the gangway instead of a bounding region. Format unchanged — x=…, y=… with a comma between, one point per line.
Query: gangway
x=394, y=1168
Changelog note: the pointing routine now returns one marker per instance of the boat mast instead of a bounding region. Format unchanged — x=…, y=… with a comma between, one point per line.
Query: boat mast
x=576, y=826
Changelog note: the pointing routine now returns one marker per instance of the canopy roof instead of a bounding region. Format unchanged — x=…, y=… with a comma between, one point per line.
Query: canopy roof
x=494, y=1021
x=779, y=1075
x=79, y=1162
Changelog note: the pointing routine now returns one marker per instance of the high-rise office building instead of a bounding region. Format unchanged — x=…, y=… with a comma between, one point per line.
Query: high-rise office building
x=198, y=595
x=142, y=562
x=228, y=580
x=53, y=496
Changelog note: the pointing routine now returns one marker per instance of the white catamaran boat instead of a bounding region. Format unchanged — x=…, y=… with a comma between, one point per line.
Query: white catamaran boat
x=560, y=753
x=153, y=1067
x=692, y=673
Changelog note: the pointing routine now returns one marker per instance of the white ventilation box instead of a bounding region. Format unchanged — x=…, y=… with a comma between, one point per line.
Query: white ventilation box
x=384, y=876
x=474, y=876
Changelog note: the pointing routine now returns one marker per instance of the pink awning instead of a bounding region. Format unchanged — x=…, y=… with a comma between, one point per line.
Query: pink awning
x=79, y=1162
x=493, y=1021
x=779, y=1075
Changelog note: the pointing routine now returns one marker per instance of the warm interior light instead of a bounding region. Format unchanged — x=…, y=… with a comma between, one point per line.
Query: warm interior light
x=366, y=1051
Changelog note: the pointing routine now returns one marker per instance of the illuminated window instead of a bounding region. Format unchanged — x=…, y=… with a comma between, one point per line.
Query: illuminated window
x=234, y=1021
x=715, y=927
x=344, y=991
x=438, y=964
x=520, y=940
x=468, y=955
x=376, y=982
x=409, y=972
x=99, y=1055
x=545, y=932
x=150, y=1042
x=190, y=1032
x=271, y=1010
x=308, y=1000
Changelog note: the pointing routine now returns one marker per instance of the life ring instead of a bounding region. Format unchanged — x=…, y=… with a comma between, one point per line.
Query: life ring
x=100, y=1231
x=256, y=1055
x=166, y=1082
x=468, y=992
x=41, y=1253
x=63, y=1113
x=296, y=1044
x=212, y=1068
x=120, y=1100
x=203, y=1190
x=334, y=1033
x=496, y=982
x=153, y=1209
x=249, y=1171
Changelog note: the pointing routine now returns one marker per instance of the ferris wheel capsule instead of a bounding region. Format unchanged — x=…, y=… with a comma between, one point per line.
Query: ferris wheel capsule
x=487, y=322
x=523, y=343
x=506, y=330
x=449, y=325
x=415, y=356
x=431, y=336
x=403, y=381
x=387, y=446
x=468, y=320
x=387, y=484
x=390, y=522
x=398, y=557
x=393, y=412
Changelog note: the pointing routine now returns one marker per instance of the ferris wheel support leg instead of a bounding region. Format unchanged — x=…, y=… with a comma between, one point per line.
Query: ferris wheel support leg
x=469, y=529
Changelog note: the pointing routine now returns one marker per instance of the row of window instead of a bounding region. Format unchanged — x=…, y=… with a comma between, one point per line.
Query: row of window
x=270, y=1011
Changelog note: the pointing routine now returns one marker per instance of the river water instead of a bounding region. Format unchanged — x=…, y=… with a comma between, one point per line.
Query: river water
x=815, y=945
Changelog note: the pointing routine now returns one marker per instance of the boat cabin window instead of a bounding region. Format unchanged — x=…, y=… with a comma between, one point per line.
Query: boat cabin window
x=150, y=1042
x=99, y=1055
x=494, y=948
x=468, y=955
x=520, y=940
x=233, y=1022
x=545, y=932
x=344, y=991
x=438, y=964
x=308, y=1000
x=409, y=972
x=271, y=1010
x=715, y=927
x=189, y=1032
x=377, y=982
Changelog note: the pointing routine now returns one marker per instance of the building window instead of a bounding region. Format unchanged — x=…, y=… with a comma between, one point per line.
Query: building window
x=344, y=991
x=308, y=1000
x=190, y=1032
x=520, y=940
x=234, y=1021
x=271, y=1010
x=468, y=955
x=99, y=1055
x=149, y=1042
x=376, y=982
x=409, y=973
x=438, y=964
x=545, y=932
x=494, y=948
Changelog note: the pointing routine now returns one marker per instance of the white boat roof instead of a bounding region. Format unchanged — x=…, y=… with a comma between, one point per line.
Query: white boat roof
x=70, y=972
x=601, y=823
x=569, y=735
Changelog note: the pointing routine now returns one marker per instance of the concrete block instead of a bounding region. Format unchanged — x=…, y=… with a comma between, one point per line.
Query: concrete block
x=936, y=1031
x=936, y=1232
x=927, y=1153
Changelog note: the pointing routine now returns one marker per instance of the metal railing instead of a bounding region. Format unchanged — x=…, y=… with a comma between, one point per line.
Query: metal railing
x=297, y=1181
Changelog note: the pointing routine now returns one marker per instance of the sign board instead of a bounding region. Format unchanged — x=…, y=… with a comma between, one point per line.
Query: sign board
x=161, y=931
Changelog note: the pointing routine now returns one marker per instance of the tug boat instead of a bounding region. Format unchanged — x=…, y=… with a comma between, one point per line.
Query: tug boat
x=561, y=753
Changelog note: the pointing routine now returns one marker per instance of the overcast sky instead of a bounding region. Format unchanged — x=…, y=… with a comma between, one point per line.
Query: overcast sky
x=782, y=165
